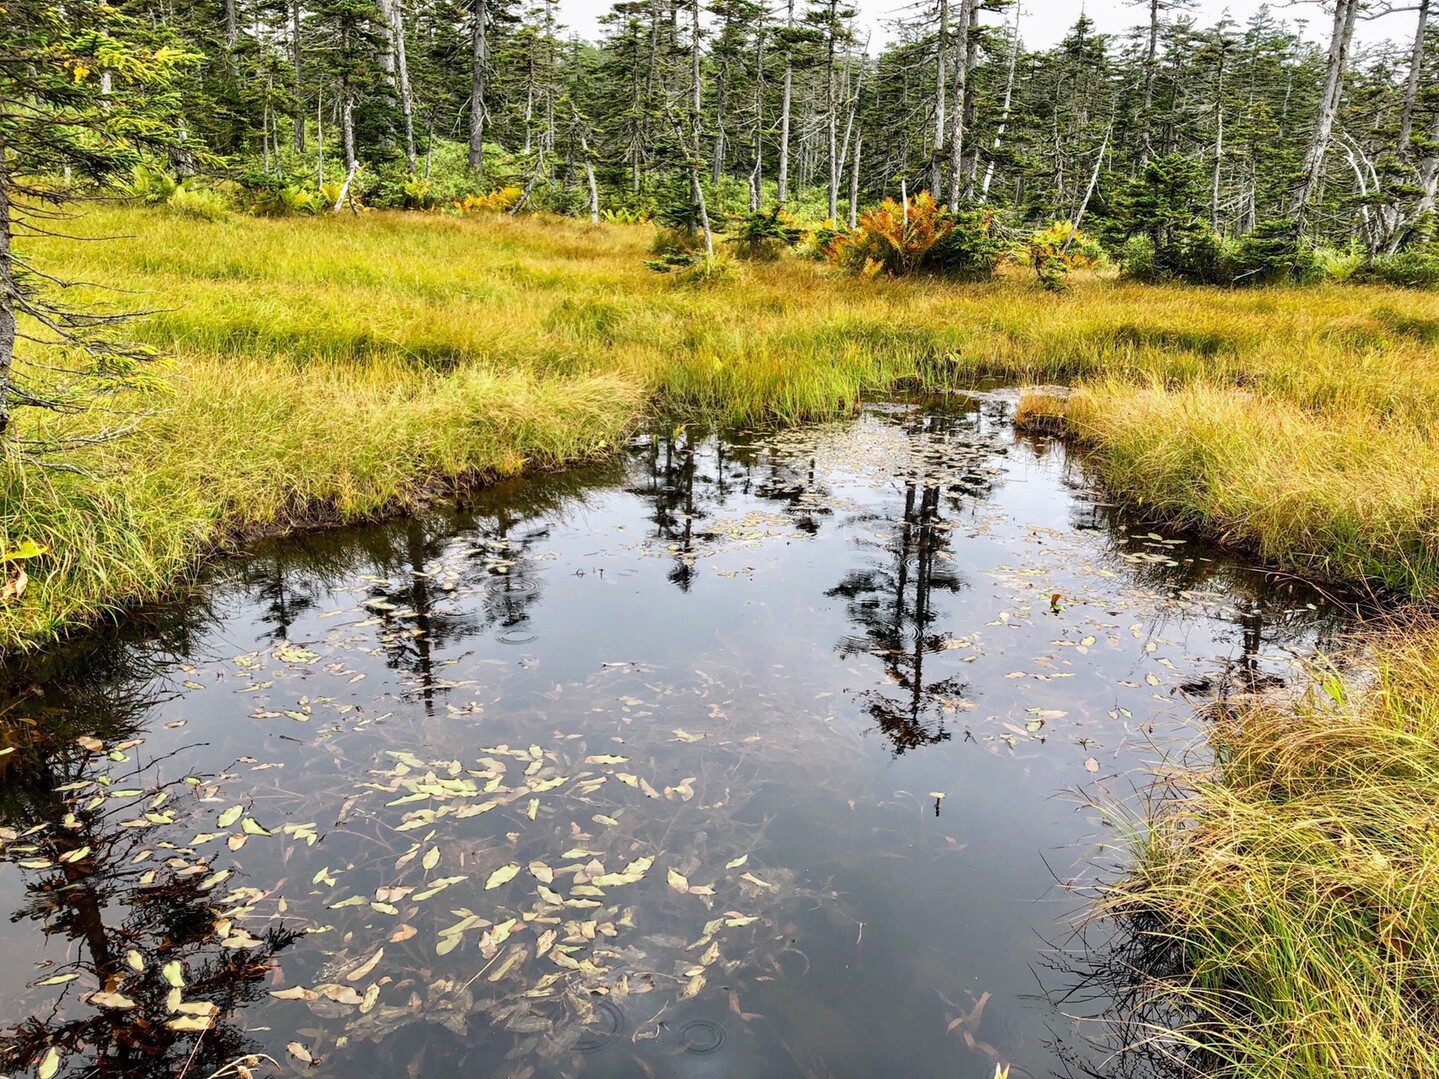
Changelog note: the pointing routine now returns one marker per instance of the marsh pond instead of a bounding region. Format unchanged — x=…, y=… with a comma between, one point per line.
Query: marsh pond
x=744, y=754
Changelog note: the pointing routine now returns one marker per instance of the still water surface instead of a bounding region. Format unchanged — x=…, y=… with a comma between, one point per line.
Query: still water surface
x=746, y=755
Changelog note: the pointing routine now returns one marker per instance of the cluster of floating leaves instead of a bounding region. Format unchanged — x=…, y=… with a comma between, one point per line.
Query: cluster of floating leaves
x=518, y=888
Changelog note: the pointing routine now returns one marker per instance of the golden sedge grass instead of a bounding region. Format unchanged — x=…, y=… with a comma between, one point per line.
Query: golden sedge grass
x=338, y=368
x=1294, y=889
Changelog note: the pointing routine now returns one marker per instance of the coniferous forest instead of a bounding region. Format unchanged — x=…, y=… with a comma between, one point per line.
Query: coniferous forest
x=1185, y=135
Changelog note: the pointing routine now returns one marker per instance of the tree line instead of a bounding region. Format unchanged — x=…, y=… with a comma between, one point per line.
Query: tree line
x=754, y=103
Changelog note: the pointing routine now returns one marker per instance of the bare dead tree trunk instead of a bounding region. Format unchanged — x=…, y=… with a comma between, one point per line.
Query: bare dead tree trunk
x=347, y=130
x=395, y=19
x=696, y=104
x=1089, y=191
x=1411, y=85
x=298, y=134
x=854, y=181
x=970, y=59
x=232, y=27
x=1336, y=64
x=832, y=117
x=961, y=87
x=786, y=100
x=479, y=63
x=1151, y=50
x=1218, y=164
x=320, y=139
x=1429, y=173
x=941, y=95
x=345, y=187
x=756, y=176
x=7, y=295
x=1004, y=112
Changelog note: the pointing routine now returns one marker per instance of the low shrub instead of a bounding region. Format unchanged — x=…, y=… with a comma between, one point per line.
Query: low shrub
x=896, y=239
x=199, y=203
x=1059, y=248
x=763, y=237
x=151, y=185
x=501, y=200
x=1275, y=254
x=1414, y=268
x=1341, y=264
x=285, y=201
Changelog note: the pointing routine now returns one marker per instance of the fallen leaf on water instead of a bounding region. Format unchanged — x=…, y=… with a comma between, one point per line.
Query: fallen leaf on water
x=678, y=881
x=1091, y=765
x=365, y=967
x=503, y=875
x=190, y=1023
x=298, y=992
x=103, y=999
x=50, y=1064
x=300, y=1053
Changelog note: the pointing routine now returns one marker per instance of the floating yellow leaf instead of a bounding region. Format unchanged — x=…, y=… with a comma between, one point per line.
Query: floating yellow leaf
x=503, y=875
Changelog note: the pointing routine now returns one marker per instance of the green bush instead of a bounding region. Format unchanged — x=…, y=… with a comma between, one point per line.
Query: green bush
x=763, y=237
x=284, y=201
x=1415, y=268
x=151, y=185
x=199, y=203
x=1341, y=264
x=1275, y=254
x=972, y=248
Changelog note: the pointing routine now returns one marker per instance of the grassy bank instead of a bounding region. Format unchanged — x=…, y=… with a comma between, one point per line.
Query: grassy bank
x=1286, y=902
x=333, y=370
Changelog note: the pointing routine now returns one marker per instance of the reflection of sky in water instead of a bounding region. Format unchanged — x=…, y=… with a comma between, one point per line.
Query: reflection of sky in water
x=783, y=649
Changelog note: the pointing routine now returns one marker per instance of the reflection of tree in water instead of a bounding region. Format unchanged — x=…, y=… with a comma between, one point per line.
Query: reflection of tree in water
x=664, y=472
x=418, y=572
x=1271, y=610
x=687, y=475
x=893, y=600
x=99, y=876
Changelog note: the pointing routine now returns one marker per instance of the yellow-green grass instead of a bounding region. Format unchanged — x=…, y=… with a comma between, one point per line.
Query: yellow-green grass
x=339, y=368
x=1286, y=901
x=1348, y=491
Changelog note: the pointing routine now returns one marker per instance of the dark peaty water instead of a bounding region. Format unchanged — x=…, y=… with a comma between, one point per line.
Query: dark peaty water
x=747, y=755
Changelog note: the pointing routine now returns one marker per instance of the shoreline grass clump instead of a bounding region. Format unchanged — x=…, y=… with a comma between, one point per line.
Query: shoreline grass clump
x=1344, y=493
x=242, y=446
x=1287, y=899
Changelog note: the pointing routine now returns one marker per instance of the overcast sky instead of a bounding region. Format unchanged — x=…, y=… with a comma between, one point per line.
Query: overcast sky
x=1045, y=21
